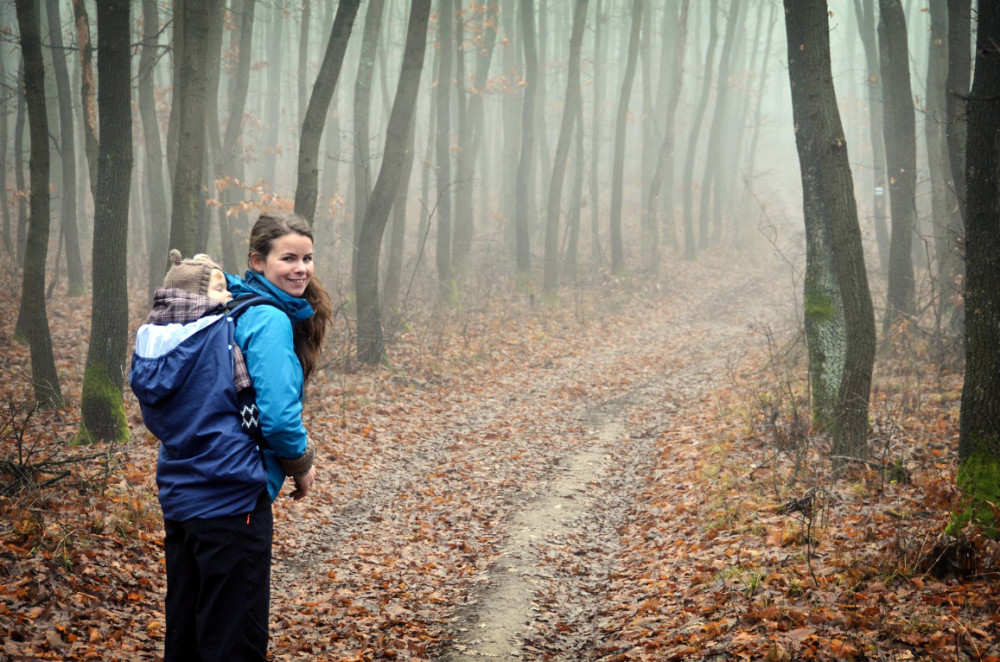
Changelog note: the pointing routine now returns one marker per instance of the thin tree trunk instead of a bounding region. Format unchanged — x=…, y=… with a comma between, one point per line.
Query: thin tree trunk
x=274, y=96
x=153, y=171
x=33, y=316
x=19, y=181
x=694, y=131
x=618, y=165
x=67, y=151
x=839, y=318
x=901, y=157
x=957, y=85
x=443, y=150
x=8, y=238
x=979, y=435
x=362, y=111
x=371, y=344
x=596, y=255
x=87, y=89
x=306, y=190
x=303, y=68
x=522, y=244
x=550, y=278
x=397, y=232
x=866, y=27
x=571, y=261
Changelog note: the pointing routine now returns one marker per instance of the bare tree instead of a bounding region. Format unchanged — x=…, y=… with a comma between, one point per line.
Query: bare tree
x=87, y=88
x=621, y=123
x=840, y=324
x=443, y=149
x=101, y=404
x=979, y=435
x=34, y=319
x=371, y=346
x=550, y=278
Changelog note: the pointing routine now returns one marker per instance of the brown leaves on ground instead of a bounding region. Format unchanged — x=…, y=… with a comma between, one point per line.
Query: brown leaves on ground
x=684, y=552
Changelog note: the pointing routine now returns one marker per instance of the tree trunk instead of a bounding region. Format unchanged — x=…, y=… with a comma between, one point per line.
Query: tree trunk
x=34, y=319
x=303, y=68
x=443, y=150
x=707, y=215
x=839, y=320
x=101, y=404
x=306, y=189
x=8, y=238
x=465, y=226
x=362, y=111
x=621, y=122
x=596, y=255
x=274, y=95
x=694, y=131
x=979, y=436
x=666, y=154
x=901, y=157
x=397, y=233
x=550, y=278
x=571, y=260
x=757, y=114
x=67, y=152
x=22, y=205
x=153, y=171
x=192, y=89
x=866, y=27
x=522, y=214
x=946, y=235
x=511, y=117
x=957, y=85
x=87, y=90
x=371, y=345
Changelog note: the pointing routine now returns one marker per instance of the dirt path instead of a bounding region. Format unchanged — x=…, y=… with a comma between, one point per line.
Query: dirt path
x=491, y=524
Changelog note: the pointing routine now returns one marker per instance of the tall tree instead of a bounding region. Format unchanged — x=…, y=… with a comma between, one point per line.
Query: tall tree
x=101, y=404
x=307, y=186
x=692, y=144
x=34, y=319
x=901, y=157
x=274, y=96
x=362, y=111
x=865, y=14
x=707, y=215
x=442, y=149
x=192, y=89
x=663, y=172
x=840, y=324
x=371, y=346
x=7, y=236
x=979, y=435
x=22, y=206
x=595, y=137
x=67, y=150
x=154, y=174
x=621, y=123
x=571, y=109
x=944, y=204
x=88, y=92
x=957, y=84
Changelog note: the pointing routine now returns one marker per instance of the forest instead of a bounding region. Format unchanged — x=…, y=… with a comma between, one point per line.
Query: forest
x=662, y=329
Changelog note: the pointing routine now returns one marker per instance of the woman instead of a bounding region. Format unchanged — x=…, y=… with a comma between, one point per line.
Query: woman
x=218, y=569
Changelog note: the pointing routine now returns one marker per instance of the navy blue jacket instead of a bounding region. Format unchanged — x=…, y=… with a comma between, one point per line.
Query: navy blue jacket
x=182, y=375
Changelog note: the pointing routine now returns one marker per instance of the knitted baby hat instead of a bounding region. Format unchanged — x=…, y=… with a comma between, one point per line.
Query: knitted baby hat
x=192, y=274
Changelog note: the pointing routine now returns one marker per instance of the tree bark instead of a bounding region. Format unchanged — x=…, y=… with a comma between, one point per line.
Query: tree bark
x=192, y=88
x=522, y=214
x=371, y=344
x=901, y=158
x=839, y=319
x=34, y=319
x=596, y=255
x=666, y=153
x=693, y=133
x=101, y=404
x=866, y=27
x=7, y=236
x=87, y=88
x=153, y=171
x=550, y=280
x=67, y=152
x=274, y=96
x=443, y=151
x=979, y=436
x=957, y=84
x=22, y=205
x=306, y=190
x=621, y=123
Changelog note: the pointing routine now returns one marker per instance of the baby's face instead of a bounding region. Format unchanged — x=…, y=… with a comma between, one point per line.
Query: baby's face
x=217, y=287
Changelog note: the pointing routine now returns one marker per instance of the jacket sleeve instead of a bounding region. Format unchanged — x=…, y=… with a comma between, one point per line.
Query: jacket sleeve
x=264, y=333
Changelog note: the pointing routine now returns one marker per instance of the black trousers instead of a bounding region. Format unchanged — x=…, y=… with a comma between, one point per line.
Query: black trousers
x=219, y=586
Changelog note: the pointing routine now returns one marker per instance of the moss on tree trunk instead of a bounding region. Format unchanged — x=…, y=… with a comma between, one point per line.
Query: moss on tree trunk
x=102, y=408
x=979, y=477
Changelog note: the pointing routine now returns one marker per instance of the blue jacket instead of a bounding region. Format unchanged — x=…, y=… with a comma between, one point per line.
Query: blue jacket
x=264, y=333
x=182, y=375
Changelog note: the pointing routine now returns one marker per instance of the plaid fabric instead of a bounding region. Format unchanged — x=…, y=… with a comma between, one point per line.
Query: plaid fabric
x=174, y=306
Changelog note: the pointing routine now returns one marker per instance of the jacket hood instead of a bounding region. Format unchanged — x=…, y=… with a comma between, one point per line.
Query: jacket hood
x=253, y=283
x=165, y=356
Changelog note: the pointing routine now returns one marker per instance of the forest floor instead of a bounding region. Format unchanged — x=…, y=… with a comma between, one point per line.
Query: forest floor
x=626, y=474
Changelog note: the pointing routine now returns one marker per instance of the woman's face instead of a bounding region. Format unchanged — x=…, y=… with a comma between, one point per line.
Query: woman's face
x=289, y=265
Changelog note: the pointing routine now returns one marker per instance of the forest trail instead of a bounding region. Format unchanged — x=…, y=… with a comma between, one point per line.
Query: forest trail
x=490, y=520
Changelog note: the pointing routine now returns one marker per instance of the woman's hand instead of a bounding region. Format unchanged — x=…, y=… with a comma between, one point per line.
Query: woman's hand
x=303, y=483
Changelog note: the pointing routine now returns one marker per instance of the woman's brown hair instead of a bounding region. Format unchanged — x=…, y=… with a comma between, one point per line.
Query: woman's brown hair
x=308, y=333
